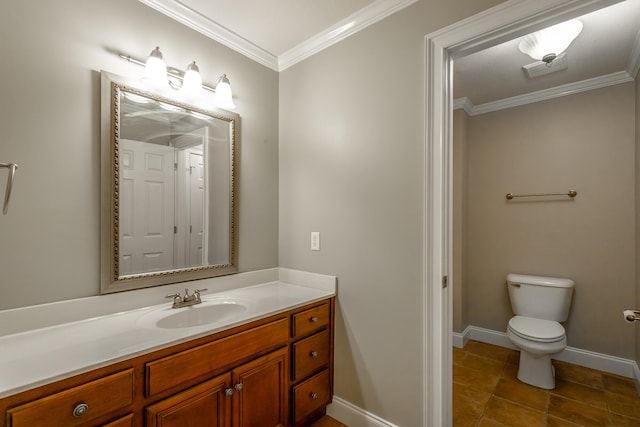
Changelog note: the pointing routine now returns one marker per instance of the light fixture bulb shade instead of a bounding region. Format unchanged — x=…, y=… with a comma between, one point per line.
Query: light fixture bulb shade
x=552, y=40
x=223, y=97
x=155, y=70
x=192, y=81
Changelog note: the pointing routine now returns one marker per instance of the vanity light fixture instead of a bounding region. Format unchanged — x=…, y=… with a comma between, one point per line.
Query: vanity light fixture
x=190, y=82
x=223, y=96
x=155, y=70
x=547, y=44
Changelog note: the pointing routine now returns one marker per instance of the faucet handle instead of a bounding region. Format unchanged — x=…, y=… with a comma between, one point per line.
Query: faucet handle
x=176, y=295
x=197, y=291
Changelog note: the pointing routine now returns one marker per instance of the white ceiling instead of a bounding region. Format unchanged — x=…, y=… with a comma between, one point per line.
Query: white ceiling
x=280, y=33
x=607, y=51
x=277, y=26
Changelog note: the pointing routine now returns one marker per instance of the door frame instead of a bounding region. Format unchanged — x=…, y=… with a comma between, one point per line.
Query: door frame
x=508, y=20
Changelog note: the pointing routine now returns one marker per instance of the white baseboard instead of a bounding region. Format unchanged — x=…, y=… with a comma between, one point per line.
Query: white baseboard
x=353, y=416
x=602, y=362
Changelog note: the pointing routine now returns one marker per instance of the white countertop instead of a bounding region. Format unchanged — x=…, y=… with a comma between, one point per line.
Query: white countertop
x=36, y=357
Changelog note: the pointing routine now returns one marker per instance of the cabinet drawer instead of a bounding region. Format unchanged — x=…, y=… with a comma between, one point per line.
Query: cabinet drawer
x=126, y=421
x=101, y=397
x=199, y=363
x=311, y=395
x=310, y=320
x=310, y=354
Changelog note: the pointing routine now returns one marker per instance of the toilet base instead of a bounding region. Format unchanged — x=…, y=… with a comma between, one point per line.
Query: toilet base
x=537, y=370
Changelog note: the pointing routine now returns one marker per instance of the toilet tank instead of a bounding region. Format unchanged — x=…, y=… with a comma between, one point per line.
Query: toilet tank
x=540, y=297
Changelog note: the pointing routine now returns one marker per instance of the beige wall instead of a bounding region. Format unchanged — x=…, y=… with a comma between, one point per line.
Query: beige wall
x=460, y=218
x=584, y=142
x=50, y=126
x=351, y=167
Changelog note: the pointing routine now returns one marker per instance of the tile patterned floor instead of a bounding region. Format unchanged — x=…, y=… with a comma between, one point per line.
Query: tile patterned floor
x=487, y=393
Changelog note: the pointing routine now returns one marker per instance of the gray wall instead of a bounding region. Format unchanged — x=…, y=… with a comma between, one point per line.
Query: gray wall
x=460, y=212
x=584, y=142
x=351, y=167
x=50, y=126
x=637, y=234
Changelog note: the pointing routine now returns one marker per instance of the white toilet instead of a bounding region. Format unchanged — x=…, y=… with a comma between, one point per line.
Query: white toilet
x=538, y=303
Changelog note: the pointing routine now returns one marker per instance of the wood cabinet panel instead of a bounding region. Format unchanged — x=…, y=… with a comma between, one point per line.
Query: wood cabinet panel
x=311, y=354
x=101, y=397
x=189, y=366
x=311, y=395
x=204, y=405
x=126, y=421
x=262, y=398
x=311, y=320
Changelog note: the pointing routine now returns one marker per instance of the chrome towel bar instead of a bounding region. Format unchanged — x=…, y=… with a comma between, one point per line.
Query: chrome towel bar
x=7, y=195
x=570, y=193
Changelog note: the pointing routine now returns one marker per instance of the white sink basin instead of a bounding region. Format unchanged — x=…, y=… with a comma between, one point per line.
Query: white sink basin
x=206, y=313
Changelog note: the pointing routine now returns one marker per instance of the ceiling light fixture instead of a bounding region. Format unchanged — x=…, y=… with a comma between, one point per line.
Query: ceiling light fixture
x=189, y=82
x=545, y=45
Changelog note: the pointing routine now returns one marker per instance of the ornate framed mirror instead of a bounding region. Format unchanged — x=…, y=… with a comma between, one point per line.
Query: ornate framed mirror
x=168, y=181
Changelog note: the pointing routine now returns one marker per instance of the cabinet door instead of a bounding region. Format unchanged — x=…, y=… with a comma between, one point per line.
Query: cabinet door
x=260, y=398
x=204, y=405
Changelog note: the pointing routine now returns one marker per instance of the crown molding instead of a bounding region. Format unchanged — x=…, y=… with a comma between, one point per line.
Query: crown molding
x=543, y=95
x=465, y=104
x=634, y=58
x=369, y=15
x=200, y=23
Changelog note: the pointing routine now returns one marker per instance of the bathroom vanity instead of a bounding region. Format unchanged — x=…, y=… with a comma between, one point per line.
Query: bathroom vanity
x=270, y=363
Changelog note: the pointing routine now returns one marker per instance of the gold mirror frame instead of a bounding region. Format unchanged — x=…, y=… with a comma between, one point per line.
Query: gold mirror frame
x=110, y=278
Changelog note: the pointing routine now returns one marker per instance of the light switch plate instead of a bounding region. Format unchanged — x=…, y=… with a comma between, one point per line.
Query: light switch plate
x=315, y=240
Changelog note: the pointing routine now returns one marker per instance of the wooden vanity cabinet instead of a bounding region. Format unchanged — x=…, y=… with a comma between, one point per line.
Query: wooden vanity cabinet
x=312, y=363
x=276, y=371
x=253, y=394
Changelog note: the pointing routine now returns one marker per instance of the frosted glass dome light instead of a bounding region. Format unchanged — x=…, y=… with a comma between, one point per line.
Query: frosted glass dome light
x=545, y=45
x=155, y=70
x=223, y=96
x=192, y=81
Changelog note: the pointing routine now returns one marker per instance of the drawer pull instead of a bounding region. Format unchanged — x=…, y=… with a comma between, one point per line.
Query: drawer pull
x=80, y=410
x=314, y=319
x=314, y=354
x=228, y=392
x=313, y=395
x=239, y=386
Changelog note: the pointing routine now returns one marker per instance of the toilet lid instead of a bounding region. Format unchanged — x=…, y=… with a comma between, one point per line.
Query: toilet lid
x=536, y=329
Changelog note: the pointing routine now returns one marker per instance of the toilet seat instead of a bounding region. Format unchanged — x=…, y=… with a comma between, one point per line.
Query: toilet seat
x=538, y=330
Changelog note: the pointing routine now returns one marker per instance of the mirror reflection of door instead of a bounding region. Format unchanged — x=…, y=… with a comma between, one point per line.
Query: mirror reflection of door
x=146, y=207
x=191, y=225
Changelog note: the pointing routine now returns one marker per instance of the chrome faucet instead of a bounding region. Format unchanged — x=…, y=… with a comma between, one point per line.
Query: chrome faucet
x=186, y=300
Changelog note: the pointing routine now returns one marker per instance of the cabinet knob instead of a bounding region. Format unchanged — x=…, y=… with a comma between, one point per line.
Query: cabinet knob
x=228, y=392
x=239, y=386
x=313, y=395
x=314, y=319
x=80, y=410
x=314, y=354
